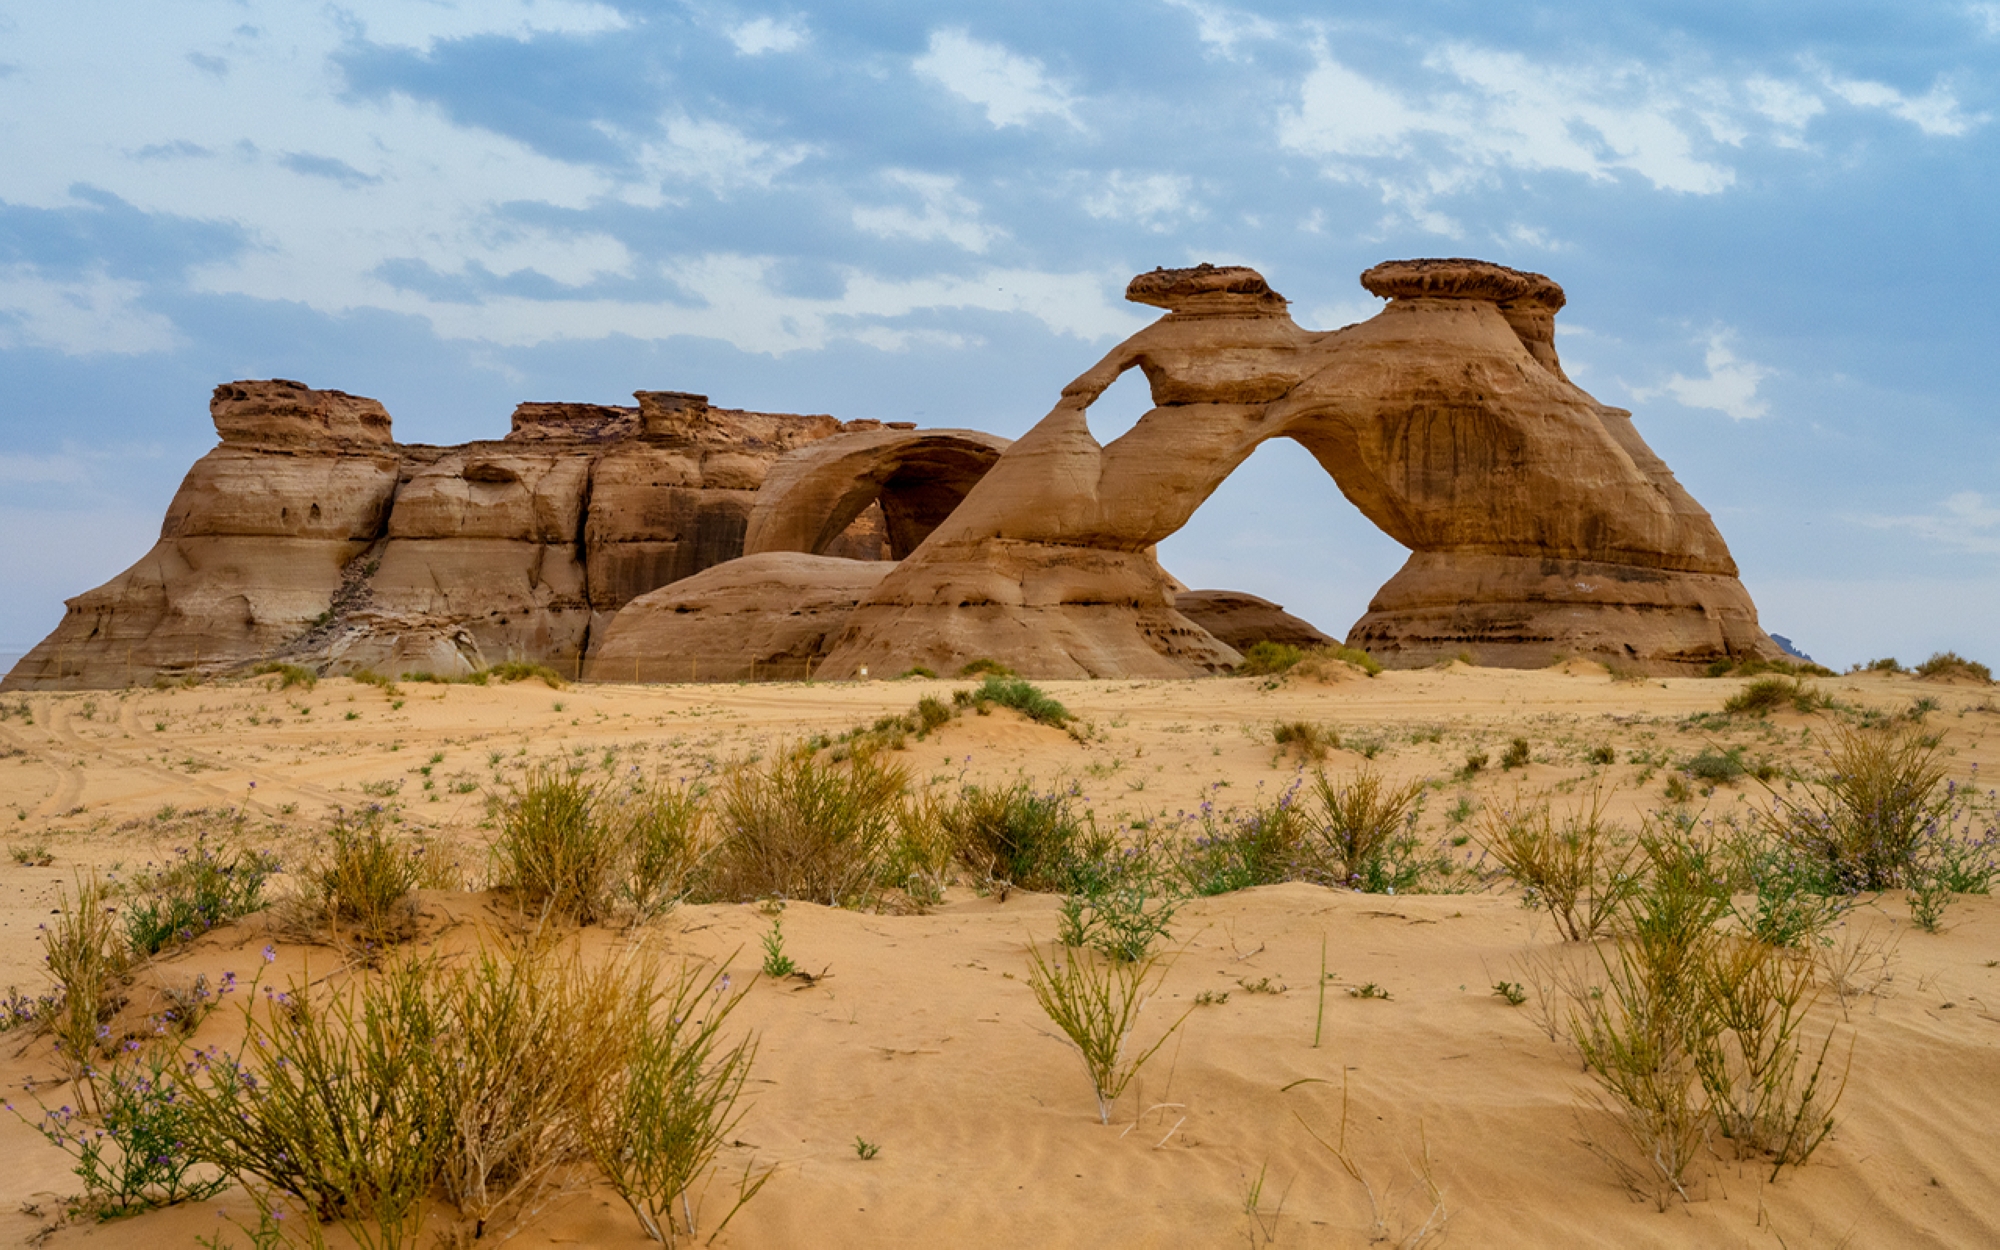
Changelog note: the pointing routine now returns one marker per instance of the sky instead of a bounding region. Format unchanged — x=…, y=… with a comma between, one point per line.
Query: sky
x=1773, y=221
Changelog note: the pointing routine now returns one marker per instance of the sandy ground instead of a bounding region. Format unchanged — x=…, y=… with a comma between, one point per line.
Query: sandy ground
x=924, y=1039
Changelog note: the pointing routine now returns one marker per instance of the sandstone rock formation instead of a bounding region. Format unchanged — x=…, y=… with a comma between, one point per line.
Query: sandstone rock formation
x=915, y=477
x=767, y=615
x=1539, y=522
x=310, y=535
x=1238, y=620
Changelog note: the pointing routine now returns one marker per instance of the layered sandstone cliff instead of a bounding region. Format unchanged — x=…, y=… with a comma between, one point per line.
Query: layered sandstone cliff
x=310, y=535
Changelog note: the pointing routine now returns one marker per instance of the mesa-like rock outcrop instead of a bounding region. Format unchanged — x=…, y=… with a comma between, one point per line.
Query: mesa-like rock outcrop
x=1540, y=524
x=310, y=535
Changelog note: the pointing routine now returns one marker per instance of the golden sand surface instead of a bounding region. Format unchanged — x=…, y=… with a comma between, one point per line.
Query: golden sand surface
x=1463, y=1114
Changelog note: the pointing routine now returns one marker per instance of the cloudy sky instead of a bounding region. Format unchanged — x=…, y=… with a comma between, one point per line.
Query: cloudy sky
x=1775, y=224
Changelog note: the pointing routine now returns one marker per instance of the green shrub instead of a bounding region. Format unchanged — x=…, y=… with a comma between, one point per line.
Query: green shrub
x=1866, y=812
x=663, y=829
x=133, y=1155
x=1309, y=739
x=985, y=666
x=1262, y=658
x=362, y=878
x=1365, y=833
x=558, y=846
x=932, y=712
x=656, y=1127
x=1887, y=664
x=803, y=828
x=1949, y=664
x=87, y=963
x=1580, y=869
x=1119, y=906
x=1716, y=767
x=1016, y=837
x=200, y=889
x=1319, y=661
x=1095, y=1002
x=524, y=670
x=1029, y=700
x=919, y=670
x=1235, y=851
x=1516, y=754
x=1764, y=696
x=289, y=675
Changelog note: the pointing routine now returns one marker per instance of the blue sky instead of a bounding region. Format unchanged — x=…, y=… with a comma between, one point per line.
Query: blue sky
x=1774, y=223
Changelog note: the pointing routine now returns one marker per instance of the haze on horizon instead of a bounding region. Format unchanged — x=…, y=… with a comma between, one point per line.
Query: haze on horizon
x=1771, y=222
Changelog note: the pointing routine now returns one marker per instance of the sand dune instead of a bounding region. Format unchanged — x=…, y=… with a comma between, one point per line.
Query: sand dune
x=922, y=1037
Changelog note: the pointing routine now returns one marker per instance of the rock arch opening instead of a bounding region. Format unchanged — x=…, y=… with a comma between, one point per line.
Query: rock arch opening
x=813, y=497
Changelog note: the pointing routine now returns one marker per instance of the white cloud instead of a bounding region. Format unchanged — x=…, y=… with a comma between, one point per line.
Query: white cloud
x=713, y=154
x=1492, y=111
x=1223, y=28
x=943, y=213
x=63, y=470
x=94, y=315
x=1155, y=201
x=1968, y=521
x=420, y=25
x=1729, y=388
x=1507, y=113
x=1936, y=112
x=1986, y=17
x=1013, y=90
x=764, y=34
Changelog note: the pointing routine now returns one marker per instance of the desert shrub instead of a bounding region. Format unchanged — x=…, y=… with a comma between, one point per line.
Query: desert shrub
x=1580, y=869
x=523, y=670
x=920, y=857
x=1716, y=767
x=1603, y=754
x=1887, y=664
x=1264, y=658
x=982, y=667
x=657, y=1125
x=803, y=828
x=1309, y=739
x=1693, y=1030
x=1766, y=695
x=1516, y=754
x=1474, y=761
x=1864, y=814
x=133, y=1155
x=289, y=675
x=1229, y=851
x=931, y=713
x=917, y=670
x=369, y=677
x=201, y=888
x=1795, y=899
x=1121, y=904
x=330, y=1104
x=559, y=846
x=662, y=826
x=427, y=679
x=1364, y=832
x=526, y=1039
x=86, y=962
x=1753, y=666
x=1027, y=699
x=1095, y=1002
x=1016, y=837
x=1949, y=664
x=362, y=877
x=1319, y=661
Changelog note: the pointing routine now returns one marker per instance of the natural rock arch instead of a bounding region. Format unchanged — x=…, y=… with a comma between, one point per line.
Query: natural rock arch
x=813, y=494
x=1539, y=521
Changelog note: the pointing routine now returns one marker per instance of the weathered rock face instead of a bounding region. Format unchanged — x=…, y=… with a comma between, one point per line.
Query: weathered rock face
x=914, y=478
x=1238, y=620
x=1540, y=522
x=765, y=615
x=310, y=535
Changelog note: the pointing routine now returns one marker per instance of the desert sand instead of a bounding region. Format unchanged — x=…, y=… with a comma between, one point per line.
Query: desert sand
x=1465, y=1115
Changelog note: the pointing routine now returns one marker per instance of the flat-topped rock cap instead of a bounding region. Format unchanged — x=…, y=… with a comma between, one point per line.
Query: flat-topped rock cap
x=1458, y=277
x=1203, y=284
